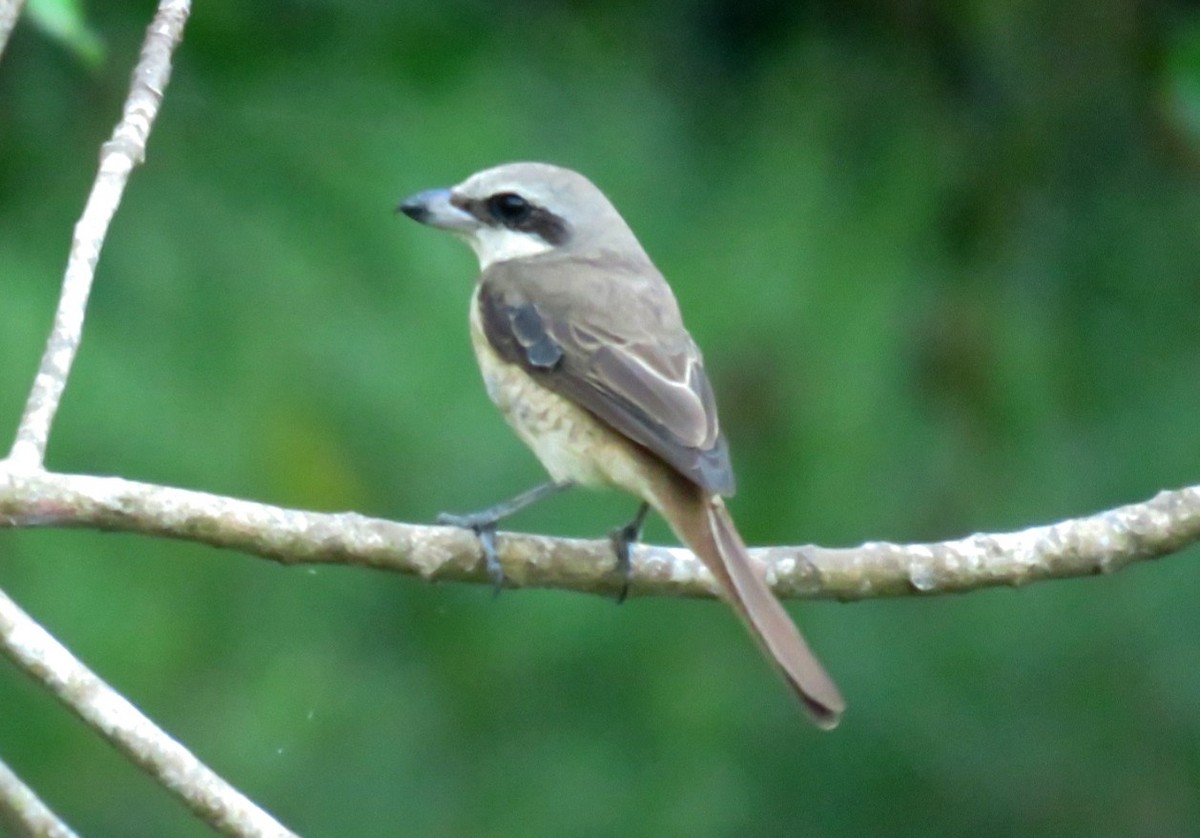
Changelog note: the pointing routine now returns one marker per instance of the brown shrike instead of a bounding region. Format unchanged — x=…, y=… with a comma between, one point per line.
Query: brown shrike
x=583, y=349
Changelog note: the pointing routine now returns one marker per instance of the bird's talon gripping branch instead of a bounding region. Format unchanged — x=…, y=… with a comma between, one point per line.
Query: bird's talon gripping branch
x=623, y=539
x=483, y=523
x=491, y=557
x=484, y=527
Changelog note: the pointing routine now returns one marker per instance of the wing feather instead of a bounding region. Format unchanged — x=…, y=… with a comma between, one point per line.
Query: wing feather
x=611, y=339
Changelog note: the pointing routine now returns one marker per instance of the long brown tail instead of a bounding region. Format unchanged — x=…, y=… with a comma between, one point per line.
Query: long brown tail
x=705, y=525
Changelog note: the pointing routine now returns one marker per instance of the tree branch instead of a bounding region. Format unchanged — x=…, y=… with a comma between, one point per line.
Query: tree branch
x=10, y=10
x=23, y=813
x=28, y=645
x=118, y=156
x=1100, y=543
x=32, y=648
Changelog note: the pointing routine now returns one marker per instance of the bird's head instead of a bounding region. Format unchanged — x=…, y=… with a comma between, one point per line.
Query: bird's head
x=523, y=210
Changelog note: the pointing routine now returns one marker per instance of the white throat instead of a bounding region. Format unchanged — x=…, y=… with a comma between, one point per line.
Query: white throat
x=499, y=244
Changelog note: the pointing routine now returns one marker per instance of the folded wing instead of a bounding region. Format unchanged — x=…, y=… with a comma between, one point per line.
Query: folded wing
x=614, y=343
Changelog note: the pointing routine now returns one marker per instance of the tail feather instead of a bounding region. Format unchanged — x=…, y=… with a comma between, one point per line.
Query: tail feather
x=706, y=526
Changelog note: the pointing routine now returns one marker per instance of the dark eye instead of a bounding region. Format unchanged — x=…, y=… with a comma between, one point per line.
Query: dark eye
x=509, y=208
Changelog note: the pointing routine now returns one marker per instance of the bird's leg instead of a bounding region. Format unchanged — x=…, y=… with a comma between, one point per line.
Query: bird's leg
x=622, y=539
x=483, y=523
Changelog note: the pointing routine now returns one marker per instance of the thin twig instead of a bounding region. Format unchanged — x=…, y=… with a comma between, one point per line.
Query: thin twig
x=222, y=806
x=22, y=639
x=1100, y=543
x=22, y=812
x=10, y=10
x=118, y=156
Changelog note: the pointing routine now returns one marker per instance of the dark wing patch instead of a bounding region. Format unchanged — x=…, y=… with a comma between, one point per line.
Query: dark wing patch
x=661, y=400
x=527, y=327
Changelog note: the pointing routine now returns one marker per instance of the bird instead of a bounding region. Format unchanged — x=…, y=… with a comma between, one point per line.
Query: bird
x=582, y=347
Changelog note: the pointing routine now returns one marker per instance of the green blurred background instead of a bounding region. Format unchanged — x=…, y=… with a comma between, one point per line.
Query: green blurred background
x=942, y=257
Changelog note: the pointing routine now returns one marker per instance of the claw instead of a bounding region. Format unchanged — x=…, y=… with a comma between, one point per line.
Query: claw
x=622, y=539
x=483, y=524
x=620, y=542
x=491, y=558
x=484, y=527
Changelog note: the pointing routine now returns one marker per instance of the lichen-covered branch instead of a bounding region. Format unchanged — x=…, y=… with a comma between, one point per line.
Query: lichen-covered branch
x=1100, y=543
x=22, y=812
x=32, y=648
x=118, y=156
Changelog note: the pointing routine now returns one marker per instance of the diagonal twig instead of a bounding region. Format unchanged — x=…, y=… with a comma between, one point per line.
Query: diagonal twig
x=22, y=640
x=23, y=813
x=32, y=648
x=118, y=156
x=10, y=10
